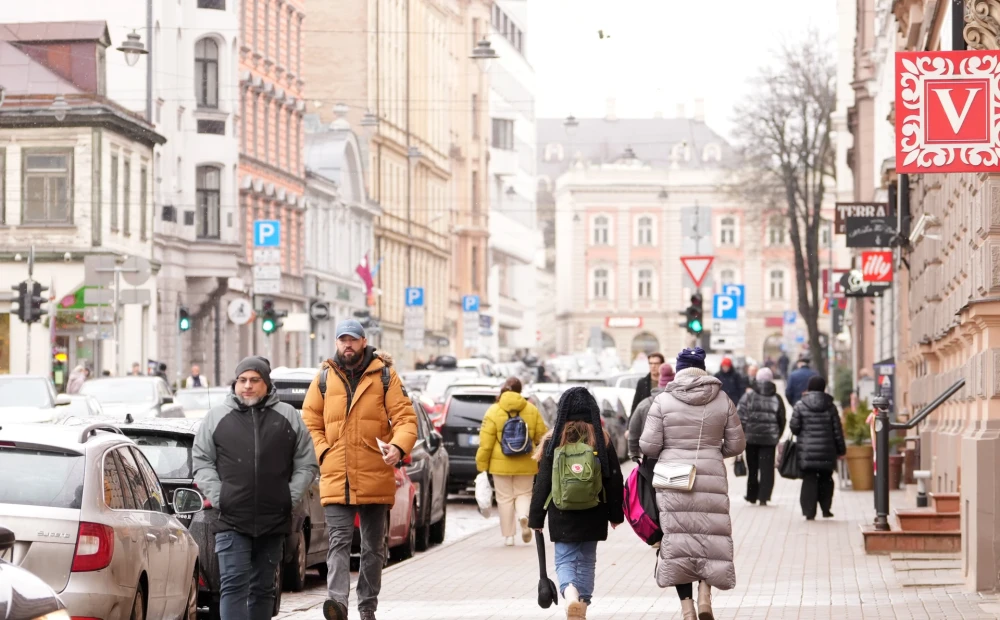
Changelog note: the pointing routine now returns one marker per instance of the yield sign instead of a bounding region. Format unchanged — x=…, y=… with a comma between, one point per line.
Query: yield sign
x=697, y=267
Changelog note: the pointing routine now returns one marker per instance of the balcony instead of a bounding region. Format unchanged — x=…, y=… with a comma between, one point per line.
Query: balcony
x=510, y=313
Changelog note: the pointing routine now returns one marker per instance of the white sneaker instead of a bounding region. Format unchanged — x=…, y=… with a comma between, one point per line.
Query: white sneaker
x=525, y=530
x=509, y=541
x=575, y=609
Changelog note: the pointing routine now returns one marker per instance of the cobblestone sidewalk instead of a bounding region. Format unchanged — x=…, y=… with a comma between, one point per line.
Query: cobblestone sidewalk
x=786, y=567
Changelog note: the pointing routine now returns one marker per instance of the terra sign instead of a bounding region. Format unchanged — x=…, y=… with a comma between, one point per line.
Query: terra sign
x=945, y=111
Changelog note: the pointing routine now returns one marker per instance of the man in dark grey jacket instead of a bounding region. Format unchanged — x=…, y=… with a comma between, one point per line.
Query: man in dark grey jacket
x=254, y=459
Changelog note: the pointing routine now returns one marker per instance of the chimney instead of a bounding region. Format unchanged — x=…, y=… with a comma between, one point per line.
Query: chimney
x=699, y=110
x=680, y=110
x=610, y=113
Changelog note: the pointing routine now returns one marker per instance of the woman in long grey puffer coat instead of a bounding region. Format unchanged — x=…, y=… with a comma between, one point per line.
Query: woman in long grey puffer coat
x=694, y=422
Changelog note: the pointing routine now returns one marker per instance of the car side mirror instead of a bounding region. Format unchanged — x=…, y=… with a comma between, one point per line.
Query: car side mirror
x=63, y=400
x=434, y=440
x=168, y=400
x=188, y=502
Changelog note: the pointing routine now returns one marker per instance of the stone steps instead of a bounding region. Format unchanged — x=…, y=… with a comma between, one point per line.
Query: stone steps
x=926, y=519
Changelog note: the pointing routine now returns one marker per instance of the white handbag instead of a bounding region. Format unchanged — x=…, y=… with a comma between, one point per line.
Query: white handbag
x=677, y=476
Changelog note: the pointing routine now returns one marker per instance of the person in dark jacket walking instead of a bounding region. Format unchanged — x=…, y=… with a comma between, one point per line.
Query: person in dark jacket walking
x=577, y=532
x=732, y=382
x=798, y=380
x=762, y=413
x=645, y=385
x=638, y=419
x=254, y=459
x=820, y=443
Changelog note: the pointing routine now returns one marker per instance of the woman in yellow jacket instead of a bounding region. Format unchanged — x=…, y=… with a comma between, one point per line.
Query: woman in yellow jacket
x=513, y=476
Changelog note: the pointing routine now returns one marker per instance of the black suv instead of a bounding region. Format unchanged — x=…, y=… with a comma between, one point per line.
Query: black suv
x=461, y=420
x=427, y=465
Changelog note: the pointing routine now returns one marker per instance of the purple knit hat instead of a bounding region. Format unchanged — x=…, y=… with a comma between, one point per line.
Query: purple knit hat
x=666, y=375
x=691, y=358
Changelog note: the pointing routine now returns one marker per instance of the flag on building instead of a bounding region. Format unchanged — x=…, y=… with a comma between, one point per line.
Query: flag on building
x=366, y=276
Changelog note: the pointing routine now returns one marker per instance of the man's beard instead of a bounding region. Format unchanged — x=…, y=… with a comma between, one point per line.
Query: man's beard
x=250, y=401
x=354, y=360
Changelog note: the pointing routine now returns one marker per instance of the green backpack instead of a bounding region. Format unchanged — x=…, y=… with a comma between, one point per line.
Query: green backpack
x=577, y=483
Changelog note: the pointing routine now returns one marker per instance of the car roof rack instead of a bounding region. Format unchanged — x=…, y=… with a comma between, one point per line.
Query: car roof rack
x=92, y=429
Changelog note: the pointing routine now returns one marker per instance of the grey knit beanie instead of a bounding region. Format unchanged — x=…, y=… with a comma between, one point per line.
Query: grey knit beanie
x=258, y=364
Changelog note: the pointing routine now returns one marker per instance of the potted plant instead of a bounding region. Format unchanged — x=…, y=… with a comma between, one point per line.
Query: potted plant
x=860, y=455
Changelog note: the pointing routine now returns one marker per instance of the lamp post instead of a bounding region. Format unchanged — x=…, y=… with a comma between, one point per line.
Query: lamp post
x=484, y=54
x=133, y=48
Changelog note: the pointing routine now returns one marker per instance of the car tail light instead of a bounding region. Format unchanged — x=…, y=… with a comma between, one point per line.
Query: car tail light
x=94, y=547
x=436, y=413
x=201, y=581
x=7, y=444
x=206, y=504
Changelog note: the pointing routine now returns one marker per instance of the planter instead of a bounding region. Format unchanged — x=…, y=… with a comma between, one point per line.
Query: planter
x=895, y=470
x=860, y=466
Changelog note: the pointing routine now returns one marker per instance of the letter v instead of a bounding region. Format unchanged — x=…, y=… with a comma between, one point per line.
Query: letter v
x=949, y=106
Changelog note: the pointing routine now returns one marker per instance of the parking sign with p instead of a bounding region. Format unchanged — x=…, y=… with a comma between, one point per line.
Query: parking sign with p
x=267, y=233
x=725, y=308
x=415, y=296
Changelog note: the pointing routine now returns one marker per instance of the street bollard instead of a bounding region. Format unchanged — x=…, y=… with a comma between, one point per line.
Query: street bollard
x=882, y=428
x=922, y=476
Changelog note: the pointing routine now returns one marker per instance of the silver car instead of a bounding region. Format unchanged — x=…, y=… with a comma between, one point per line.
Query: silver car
x=90, y=518
x=140, y=397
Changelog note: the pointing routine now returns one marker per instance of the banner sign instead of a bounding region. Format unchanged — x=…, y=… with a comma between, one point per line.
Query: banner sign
x=869, y=210
x=854, y=285
x=870, y=232
x=876, y=266
x=945, y=120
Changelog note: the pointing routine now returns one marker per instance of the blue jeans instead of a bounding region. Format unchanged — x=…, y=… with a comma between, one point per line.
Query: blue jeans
x=576, y=564
x=247, y=570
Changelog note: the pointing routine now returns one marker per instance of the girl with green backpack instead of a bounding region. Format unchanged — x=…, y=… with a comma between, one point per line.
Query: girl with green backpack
x=580, y=488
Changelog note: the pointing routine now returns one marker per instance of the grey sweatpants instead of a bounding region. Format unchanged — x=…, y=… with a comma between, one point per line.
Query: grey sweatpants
x=340, y=529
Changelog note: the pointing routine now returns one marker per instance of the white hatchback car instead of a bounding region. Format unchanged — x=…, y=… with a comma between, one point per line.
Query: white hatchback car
x=90, y=518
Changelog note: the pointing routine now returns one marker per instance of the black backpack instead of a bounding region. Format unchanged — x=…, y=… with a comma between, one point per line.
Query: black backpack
x=385, y=387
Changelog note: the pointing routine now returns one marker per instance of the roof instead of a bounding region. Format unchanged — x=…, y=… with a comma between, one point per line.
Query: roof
x=49, y=32
x=599, y=140
x=333, y=153
x=183, y=426
x=23, y=75
x=65, y=436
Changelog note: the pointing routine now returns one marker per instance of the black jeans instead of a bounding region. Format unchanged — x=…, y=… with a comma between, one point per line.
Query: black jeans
x=247, y=570
x=760, y=472
x=817, y=486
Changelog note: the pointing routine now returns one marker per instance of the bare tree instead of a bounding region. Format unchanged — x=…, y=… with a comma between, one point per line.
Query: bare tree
x=784, y=128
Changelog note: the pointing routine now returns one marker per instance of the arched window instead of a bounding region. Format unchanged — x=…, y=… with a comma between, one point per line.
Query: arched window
x=645, y=230
x=727, y=231
x=645, y=281
x=712, y=152
x=601, y=230
x=206, y=73
x=553, y=151
x=776, y=230
x=727, y=276
x=209, y=183
x=600, y=284
x=777, y=284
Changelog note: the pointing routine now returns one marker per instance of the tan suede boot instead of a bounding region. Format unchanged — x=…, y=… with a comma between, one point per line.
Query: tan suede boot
x=705, y=602
x=687, y=610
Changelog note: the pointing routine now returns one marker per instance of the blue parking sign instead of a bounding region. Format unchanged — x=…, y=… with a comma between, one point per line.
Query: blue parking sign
x=267, y=233
x=738, y=291
x=415, y=296
x=790, y=316
x=725, y=308
x=470, y=303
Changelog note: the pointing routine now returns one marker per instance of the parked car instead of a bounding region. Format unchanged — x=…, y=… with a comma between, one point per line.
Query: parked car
x=142, y=397
x=436, y=387
x=427, y=468
x=83, y=406
x=401, y=535
x=28, y=399
x=461, y=420
x=23, y=596
x=197, y=401
x=415, y=380
x=614, y=416
x=91, y=519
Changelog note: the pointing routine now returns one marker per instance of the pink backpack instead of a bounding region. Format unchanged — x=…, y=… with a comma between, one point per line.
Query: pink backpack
x=640, y=506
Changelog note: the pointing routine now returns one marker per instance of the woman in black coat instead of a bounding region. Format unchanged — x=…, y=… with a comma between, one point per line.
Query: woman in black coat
x=820, y=442
x=762, y=413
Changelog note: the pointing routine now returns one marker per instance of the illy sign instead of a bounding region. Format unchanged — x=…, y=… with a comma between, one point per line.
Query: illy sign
x=876, y=266
x=944, y=119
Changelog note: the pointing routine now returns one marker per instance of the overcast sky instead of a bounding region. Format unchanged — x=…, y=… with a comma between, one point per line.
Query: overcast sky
x=660, y=53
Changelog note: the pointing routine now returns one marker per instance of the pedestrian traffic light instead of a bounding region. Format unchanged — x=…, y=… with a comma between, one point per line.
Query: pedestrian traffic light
x=695, y=324
x=35, y=302
x=268, y=317
x=183, y=319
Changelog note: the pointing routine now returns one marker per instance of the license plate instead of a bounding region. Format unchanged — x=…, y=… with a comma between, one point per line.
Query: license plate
x=468, y=440
x=7, y=555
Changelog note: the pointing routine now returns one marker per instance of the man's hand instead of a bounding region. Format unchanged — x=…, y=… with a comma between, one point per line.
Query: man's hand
x=391, y=455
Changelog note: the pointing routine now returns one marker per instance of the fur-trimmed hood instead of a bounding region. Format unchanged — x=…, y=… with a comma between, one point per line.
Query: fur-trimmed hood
x=370, y=354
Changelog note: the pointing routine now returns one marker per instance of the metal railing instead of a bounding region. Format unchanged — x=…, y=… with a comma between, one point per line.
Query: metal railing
x=883, y=426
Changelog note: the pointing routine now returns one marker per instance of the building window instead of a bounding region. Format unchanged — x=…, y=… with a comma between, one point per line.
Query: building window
x=277, y=35
x=218, y=5
x=475, y=194
x=645, y=284
x=143, y=215
x=209, y=182
x=503, y=134
x=601, y=230
x=244, y=108
x=217, y=128
x=3, y=189
x=288, y=41
x=824, y=236
x=48, y=187
x=267, y=31
x=600, y=284
x=267, y=132
x=777, y=278
x=126, y=195
x=727, y=276
x=645, y=232
x=288, y=141
x=475, y=116
x=255, y=2
x=114, y=192
x=776, y=230
x=727, y=231
x=253, y=125
x=475, y=269
x=206, y=73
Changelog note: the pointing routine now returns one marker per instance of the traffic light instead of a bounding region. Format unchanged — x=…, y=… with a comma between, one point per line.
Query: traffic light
x=269, y=317
x=29, y=301
x=694, y=315
x=22, y=300
x=183, y=319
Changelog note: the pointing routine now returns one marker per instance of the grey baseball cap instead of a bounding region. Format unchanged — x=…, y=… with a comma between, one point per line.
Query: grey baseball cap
x=350, y=327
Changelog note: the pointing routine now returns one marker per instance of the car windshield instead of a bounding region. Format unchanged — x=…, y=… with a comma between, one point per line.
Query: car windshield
x=79, y=407
x=169, y=456
x=120, y=390
x=468, y=408
x=438, y=383
x=415, y=381
x=51, y=479
x=15, y=392
x=201, y=400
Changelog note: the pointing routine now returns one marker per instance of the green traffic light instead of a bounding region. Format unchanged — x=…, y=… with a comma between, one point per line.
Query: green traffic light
x=185, y=324
x=695, y=326
x=267, y=325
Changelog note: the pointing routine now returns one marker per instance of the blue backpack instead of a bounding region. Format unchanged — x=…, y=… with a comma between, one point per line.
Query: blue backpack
x=514, y=438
